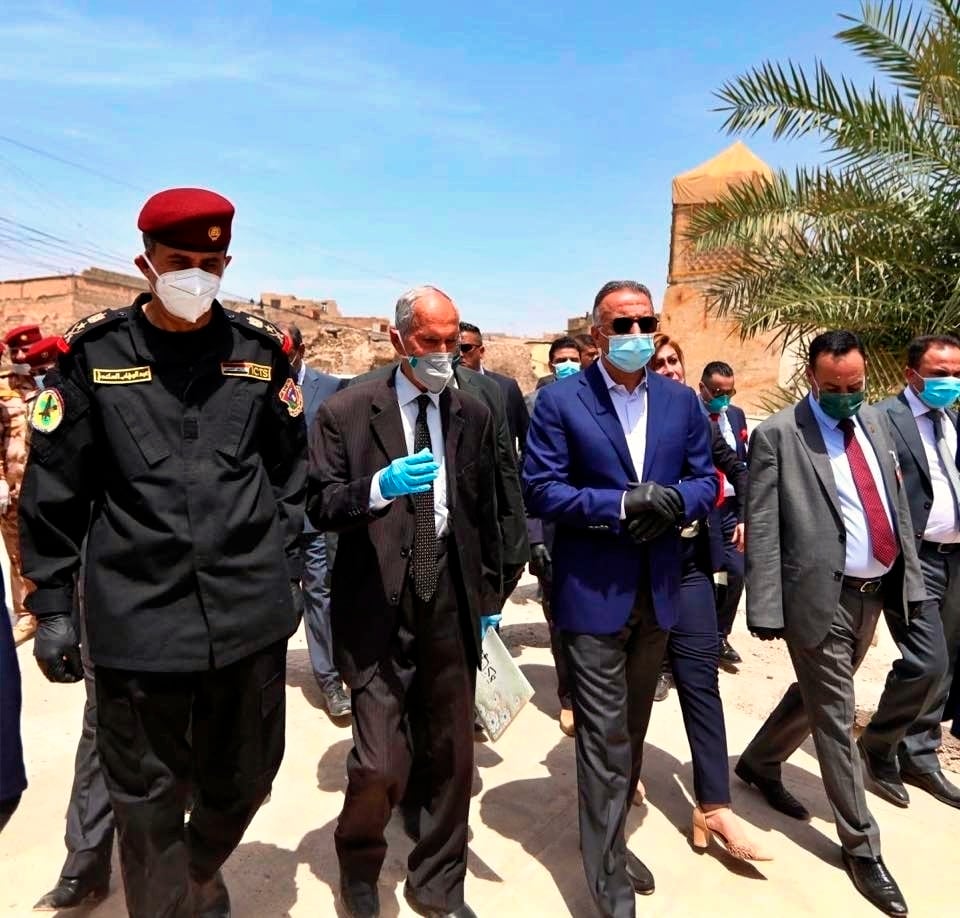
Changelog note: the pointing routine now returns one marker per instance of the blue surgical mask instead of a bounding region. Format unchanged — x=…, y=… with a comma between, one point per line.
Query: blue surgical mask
x=630, y=353
x=718, y=404
x=939, y=391
x=38, y=379
x=565, y=369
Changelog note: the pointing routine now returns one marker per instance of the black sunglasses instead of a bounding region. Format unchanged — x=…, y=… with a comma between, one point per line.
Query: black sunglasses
x=623, y=325
x=466, y=348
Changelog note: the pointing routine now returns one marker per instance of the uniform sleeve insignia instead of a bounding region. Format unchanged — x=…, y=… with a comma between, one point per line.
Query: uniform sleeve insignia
x=47, y=412
x=245, y=368
x=292, y=397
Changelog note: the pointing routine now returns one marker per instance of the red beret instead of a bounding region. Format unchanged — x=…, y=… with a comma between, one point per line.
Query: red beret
x=22, y=335
x=193, y=219
x=43, y=352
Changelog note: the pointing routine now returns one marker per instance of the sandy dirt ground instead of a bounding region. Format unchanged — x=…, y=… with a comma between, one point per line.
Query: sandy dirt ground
x=524, y=858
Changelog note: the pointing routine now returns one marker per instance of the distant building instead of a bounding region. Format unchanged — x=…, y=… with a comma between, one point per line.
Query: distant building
x=314, y=309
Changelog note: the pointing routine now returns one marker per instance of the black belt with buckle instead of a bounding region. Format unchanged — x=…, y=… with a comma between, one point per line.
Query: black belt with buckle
x=940, y=548
x=861, y=585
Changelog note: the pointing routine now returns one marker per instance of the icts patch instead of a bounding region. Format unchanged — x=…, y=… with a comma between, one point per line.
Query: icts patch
x=47, y=413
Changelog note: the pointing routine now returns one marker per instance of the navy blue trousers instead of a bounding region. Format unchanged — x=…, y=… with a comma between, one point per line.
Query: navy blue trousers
x=692, y=649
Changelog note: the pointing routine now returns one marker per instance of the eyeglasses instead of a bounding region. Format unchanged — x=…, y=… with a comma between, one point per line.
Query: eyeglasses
x=466, y=348
x=623, y=325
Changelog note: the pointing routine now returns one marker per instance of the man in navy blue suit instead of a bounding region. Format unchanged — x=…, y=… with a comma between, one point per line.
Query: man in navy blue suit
x=318, y=548
x=619, y=459
x=717, y=387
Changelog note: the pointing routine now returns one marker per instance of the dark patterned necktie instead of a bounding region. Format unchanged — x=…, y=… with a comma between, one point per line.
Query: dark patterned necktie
x=425, y=527
x=882, y=540
x=948, y=462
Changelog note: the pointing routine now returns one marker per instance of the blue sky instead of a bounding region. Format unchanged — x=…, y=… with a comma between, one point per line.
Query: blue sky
x=516, y=154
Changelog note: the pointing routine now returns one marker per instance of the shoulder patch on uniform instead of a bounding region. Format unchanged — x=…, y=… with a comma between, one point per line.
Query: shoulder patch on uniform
x=265, y=328
x=97, y=320
x=47, y=412
x=292, y=397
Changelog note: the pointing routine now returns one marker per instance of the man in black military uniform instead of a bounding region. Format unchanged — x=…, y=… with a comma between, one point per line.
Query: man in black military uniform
x=173, y=440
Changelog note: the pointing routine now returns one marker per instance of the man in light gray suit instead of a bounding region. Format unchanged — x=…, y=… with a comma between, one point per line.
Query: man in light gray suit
x=319, y=548
x=830, y=545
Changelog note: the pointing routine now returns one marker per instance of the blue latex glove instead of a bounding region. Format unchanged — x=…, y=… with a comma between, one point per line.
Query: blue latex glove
x=408, y=475
x=487, y=622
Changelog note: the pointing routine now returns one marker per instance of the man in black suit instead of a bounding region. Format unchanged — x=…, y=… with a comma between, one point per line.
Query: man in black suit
x=717, y=386
x=471, y=356
x=318, y=547
x=513, y=521
x=924, y=433
x=404, y=469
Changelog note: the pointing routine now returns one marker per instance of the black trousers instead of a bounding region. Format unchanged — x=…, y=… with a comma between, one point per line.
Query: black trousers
x=219, y=734
x=613, y=677
x=419, y=703
x=90, y=822
x=556, y=646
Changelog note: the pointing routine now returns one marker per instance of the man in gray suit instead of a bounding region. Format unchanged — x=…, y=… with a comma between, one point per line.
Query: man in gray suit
x=830, y=545
x=900, y=743
x=318, y=548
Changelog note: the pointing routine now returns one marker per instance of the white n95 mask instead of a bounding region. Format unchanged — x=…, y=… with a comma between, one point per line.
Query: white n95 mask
x=187, y=294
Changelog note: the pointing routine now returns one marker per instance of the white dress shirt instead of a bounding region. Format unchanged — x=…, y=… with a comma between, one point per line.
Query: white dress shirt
x=407, y=394
x=631, y=408
x=860, y=561
x=726, y=429
x=942, y=522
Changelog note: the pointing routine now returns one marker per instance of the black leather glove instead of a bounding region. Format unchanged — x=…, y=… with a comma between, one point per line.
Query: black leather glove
x=767, y=634
x=652, y=498
x=541, y=564
x=296, y=594
x=643, y=529
x=57, y=648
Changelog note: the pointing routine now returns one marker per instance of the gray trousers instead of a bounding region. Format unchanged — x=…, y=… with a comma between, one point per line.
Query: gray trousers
x=90, y=822
x=905, y=731
x=319, y=551
x=613, y=678
x=821, y=702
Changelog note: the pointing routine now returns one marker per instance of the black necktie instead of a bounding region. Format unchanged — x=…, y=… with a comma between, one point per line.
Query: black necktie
x=425, y=527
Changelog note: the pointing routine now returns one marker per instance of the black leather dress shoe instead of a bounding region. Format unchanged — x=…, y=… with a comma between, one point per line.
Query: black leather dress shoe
x=359, y=899
x=773, y=792
x=73, y=891
x=211, y=899
x=728, y=656
x=884, y=779
x=874, y=883
x=430, y=911
x=336, y=702
x=935, y=784
x=664, y=681
x=640, y=875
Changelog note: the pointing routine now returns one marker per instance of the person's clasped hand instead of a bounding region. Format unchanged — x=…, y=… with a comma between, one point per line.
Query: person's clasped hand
x=408, y=475
x=57, y=649
x=651, y=510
